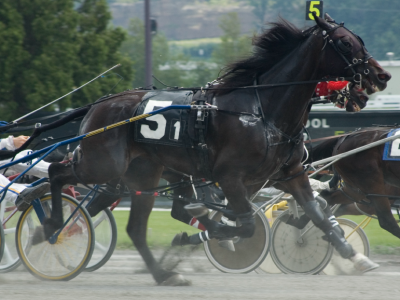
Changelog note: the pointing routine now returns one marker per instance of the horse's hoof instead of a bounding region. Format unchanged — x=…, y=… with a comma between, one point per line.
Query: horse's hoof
x=197, y=210
x=38, y=235
x=227, y=244
x=363, y=264
x=176, y=280
x=181, y=239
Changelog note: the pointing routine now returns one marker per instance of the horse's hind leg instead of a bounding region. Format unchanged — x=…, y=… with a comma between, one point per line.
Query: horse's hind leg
x=142, y=175
x=385, y=216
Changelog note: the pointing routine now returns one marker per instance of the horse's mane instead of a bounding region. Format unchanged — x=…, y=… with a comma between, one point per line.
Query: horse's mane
x=269, y=48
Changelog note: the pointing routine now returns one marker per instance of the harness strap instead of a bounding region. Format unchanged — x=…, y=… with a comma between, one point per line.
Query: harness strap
x=378, y=195
x=338, y=144
x=259, y=104
x=358, y=191
x=297, y=139
x=235, y=113
x=364, y=213
x=202, y=146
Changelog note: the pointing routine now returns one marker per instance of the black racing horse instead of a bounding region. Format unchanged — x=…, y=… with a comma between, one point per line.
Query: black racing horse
x=240, y=157
x=352, y=98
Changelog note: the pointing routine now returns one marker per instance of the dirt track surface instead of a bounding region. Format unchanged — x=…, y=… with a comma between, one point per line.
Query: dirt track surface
x=117, y=280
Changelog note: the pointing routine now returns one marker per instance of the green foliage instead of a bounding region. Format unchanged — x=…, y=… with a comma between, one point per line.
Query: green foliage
x=380, y=240
x=99, y=50
x=161, y=229
x=368, y=18
x=261, y=7
x=167, y=67
x=49, y=47
x=233, y=45
x=134, y=48
x=196, y=51
x=377, y=22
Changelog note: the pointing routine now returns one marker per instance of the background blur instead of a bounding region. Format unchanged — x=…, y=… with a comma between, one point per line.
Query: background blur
x=48, y=47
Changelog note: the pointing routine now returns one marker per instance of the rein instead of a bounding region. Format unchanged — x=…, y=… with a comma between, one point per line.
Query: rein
x=325, y=138
x=270, y=85
x=334, y=136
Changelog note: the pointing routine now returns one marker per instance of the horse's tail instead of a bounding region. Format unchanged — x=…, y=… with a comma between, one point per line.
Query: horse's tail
x=322, y=150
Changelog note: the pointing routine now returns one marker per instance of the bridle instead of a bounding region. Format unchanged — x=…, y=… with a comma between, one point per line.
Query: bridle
x=344, y=51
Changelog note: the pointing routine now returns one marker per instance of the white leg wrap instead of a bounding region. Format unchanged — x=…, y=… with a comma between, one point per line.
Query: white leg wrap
x=333, y=221
x=201, y=237
x=206, y=233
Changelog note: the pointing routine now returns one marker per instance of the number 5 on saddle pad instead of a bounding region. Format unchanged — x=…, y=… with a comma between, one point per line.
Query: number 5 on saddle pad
x=170, y=127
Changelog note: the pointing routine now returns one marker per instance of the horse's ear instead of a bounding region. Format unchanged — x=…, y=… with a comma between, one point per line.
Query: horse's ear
x=328, y=18
x=321, y=22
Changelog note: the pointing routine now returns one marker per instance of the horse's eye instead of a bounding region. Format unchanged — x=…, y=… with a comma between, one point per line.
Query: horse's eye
x=347, y=44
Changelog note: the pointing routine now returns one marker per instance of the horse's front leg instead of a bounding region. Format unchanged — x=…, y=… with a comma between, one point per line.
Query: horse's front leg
x=300, y=188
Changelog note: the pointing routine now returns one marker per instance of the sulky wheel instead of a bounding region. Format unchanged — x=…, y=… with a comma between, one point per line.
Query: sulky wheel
x=105, y=239
x=9, y=217
x=268, y=266
x=358, y=239
x=249, y=252
x=69, y=255
x=296, y=251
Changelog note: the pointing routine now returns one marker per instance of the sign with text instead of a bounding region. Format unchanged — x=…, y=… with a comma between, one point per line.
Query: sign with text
x=314, y=6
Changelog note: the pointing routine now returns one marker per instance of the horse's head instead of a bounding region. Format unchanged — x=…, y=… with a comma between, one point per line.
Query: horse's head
x=346, y=55
x=353, y=98
x=357, y=100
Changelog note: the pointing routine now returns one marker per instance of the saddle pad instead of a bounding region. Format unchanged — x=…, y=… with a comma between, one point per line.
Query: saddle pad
x=168, y=128
x=392, y=148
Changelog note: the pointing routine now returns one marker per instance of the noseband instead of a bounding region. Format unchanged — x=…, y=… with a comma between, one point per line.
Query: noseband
x=344, y=52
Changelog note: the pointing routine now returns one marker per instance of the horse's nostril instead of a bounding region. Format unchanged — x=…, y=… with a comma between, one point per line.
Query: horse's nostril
x=385, y=77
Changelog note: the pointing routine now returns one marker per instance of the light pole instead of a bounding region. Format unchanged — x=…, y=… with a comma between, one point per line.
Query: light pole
x=147, y=35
